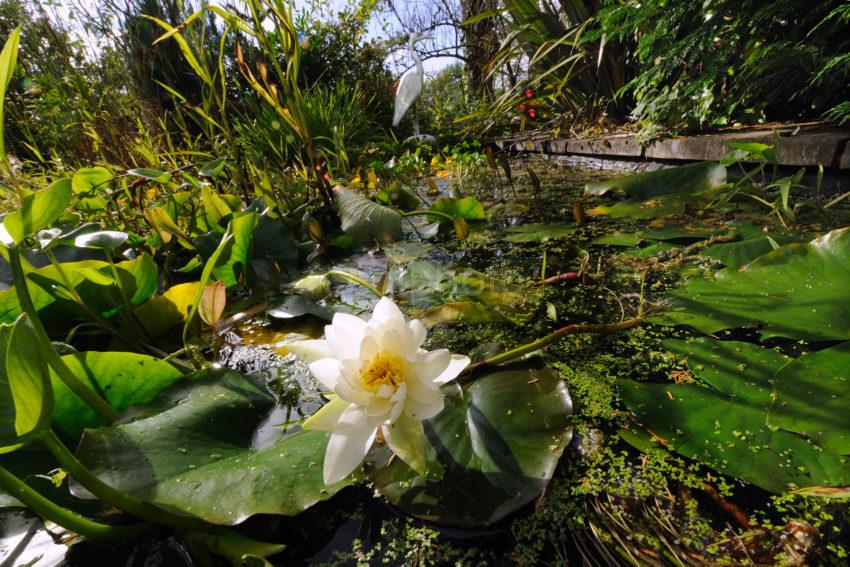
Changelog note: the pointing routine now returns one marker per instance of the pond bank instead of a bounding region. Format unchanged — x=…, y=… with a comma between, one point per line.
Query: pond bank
x=807, y=144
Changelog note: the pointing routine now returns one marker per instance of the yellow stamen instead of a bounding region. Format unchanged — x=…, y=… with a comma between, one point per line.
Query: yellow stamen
x=385, y=368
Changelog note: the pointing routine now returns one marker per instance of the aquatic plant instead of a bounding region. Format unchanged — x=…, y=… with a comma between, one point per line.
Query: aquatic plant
x=384, y=381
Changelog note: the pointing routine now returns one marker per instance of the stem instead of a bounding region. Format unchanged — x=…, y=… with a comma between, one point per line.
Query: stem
x=114, y=497
x=554, y=337
x=85, y=393
x=99, y=321
x=358, y=281
x=561, y=278
x=64, y=517
x=133, y=325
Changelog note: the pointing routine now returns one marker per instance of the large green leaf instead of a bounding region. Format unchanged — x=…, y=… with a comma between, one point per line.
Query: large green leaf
x=273, y=246
x=748, y=241
x=191, y=451
x=497, y=440
x=812, y=397
x=661, y=193
x=26, y=401
x=87, y=183
x=366, y=220
x=735, y=421
x=685, y=179
x=123, y=378
x=39, y=210
x=797, y=291
x=93, y=281
x=751, y=242
x=232, y=264
x=467, y=208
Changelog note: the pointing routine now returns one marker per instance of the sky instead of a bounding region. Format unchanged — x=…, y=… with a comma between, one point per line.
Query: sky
x=379, y=28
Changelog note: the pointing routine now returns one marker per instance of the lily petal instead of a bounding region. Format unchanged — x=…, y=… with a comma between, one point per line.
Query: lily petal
x=344, y=335
x=386, y=311
x=431, y=365
x=327, y=417
x=311, y=350
x=348, y=444
x=456, y=366
x=420, y=411
x=406, y=438
x=418, y=333
x=326, y=371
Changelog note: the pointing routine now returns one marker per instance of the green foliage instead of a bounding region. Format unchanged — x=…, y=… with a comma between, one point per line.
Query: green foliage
x=795, y=291
x=707, y=64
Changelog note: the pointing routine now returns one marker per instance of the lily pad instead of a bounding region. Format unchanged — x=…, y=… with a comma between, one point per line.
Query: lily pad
x=798, y=291
x=686, y=179
x=498, y=441
x=296, y=306
x=539, y=231
x=190, y=451
x=733, y=425
x=751, y=242
x=366, y=220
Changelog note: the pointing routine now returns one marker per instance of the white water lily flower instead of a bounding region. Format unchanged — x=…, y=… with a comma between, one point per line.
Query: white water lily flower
x=383, y=379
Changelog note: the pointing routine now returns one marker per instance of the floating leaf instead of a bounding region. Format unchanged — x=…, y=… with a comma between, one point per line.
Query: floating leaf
x=797, y=291
x=297, y=306
x=191, y=450
x=686, y=179
x=751, y=242
x=366, y=220
x=730, y=425
x=498, y=441
x=539, y=231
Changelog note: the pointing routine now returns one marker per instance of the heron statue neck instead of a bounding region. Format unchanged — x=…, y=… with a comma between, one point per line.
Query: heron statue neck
x=415, y=56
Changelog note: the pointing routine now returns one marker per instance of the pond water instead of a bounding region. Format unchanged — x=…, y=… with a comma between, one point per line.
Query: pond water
x=613, y=498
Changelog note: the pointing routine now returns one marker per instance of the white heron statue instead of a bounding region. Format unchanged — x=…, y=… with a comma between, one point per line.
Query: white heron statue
x=410, y=87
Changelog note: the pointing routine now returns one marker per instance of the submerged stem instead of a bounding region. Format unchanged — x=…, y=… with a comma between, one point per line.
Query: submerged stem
x=85, y=393
x=64, y=517
x=357, y=280
x=554, y=337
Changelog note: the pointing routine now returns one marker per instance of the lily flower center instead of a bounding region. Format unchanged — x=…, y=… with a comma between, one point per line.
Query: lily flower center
x=384, y=369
